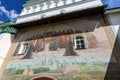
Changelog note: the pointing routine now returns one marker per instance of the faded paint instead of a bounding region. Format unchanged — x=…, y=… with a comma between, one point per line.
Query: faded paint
x=52, y=52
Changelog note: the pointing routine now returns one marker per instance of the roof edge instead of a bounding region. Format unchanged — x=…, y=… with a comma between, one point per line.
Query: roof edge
x=6, y=24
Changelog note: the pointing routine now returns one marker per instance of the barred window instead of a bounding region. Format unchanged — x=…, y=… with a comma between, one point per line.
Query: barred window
x=80, y=42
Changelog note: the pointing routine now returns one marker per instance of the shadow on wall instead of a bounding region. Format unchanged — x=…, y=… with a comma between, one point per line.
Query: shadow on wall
x=67, y=27
x=113, y=70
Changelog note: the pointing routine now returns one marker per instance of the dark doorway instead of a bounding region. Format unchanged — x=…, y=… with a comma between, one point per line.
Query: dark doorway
x=43, y=78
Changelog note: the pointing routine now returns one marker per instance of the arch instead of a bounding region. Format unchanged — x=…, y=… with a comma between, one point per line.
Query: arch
x=43, y=78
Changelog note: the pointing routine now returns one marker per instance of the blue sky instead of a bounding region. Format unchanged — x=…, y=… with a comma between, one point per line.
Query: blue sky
x=10, y=9
x=112, y=3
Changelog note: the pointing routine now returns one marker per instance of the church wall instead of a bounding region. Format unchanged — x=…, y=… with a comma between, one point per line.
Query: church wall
x=113, y=18
x=68, y=50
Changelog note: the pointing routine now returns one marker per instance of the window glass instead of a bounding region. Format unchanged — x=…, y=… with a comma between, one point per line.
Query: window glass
x=25, y=48
x=80, y=43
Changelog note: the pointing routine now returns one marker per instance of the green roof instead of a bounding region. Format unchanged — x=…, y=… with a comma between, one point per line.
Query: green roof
x=6, y=24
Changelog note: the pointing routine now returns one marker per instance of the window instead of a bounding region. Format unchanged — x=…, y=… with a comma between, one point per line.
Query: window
x=23, y=50
x=79, y=41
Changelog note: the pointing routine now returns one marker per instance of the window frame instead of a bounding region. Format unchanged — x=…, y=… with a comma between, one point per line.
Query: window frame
x=23, y=49
x=79, y=43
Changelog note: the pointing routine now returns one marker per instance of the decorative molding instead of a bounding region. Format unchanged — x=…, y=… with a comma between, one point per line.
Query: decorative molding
x=10, y=30
x=49, y=9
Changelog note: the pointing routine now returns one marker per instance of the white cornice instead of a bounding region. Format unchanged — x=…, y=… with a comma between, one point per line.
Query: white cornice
x=80, y=5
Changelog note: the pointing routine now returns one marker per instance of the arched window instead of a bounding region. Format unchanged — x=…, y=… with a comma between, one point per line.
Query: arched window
x=79, y=41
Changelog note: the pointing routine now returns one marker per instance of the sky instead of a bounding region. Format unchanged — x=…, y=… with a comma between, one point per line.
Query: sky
x=10, y=9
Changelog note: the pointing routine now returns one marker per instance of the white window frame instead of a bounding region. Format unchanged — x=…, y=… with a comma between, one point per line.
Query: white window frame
x=23, y=49
x=80, y=44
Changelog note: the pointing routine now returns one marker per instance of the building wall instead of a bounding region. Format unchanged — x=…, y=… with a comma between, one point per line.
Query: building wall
x=114, y=18
x=5, y=44
x=51, y=50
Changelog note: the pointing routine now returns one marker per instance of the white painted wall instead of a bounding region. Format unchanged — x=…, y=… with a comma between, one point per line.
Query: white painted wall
x=114, y=18
x=5, y=43
x=116, y=30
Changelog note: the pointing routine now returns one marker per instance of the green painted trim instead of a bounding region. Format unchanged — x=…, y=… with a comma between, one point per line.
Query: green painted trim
x=10, y=23
x=10, y=30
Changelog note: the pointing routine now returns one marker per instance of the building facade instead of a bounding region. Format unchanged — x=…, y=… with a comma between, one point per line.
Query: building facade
x=60, y=40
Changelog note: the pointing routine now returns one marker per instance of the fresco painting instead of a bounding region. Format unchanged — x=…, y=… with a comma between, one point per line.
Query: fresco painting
x=55, y=51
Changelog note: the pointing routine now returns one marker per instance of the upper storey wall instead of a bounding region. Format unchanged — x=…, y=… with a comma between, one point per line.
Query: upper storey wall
x=34, y=10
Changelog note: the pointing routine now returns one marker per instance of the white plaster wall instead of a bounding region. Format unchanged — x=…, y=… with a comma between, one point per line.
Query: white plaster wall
x=114, y=18
x=1, y=61
x=116, y=30
x=5, y=43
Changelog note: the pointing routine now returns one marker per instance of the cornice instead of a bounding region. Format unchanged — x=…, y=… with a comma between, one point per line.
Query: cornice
x=33, y=2
x=55, y=8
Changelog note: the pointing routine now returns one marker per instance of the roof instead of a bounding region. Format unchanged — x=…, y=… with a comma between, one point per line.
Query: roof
x=30, y=14
x=62, y=17
x=9, y=23
x=112, y=10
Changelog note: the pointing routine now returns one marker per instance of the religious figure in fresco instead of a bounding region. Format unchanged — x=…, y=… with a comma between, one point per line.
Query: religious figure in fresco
x=69, y=48
x=28, y=54
x=53, y=44
x=38, y=45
